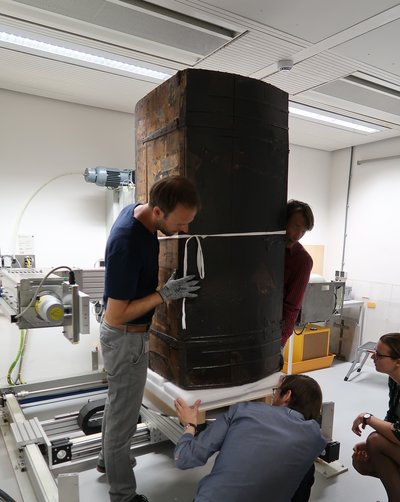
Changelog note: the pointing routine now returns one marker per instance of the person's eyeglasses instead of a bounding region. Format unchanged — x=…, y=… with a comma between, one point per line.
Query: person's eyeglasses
x=378, y=355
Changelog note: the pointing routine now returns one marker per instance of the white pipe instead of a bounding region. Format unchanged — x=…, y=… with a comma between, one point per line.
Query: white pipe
x=290, y=355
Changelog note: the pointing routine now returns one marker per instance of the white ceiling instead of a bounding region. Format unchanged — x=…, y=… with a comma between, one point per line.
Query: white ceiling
x=327, y=41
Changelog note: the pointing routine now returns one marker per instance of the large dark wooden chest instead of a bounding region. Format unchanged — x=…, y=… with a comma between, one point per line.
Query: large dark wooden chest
x=228, y=134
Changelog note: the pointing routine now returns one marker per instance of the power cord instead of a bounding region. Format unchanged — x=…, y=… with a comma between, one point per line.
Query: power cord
x=5, y=497
x=19, y=357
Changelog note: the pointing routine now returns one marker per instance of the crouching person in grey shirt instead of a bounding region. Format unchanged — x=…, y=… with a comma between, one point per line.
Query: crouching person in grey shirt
x=264, y=451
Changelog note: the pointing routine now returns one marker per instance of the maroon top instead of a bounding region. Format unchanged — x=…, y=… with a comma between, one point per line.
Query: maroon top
x=298, y=265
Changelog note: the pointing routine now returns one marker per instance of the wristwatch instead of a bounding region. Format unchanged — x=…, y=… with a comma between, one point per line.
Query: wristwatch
x=365, y=418
x=190, y=425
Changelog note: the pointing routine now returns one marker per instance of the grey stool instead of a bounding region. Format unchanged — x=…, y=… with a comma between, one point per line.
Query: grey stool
x=363, y=352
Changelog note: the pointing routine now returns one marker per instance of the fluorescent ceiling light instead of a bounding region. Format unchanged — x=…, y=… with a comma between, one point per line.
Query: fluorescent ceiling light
x=333, y=119
x=81, y=56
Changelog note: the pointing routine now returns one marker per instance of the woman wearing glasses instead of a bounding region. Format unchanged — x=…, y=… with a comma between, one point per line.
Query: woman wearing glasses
x=379, y=456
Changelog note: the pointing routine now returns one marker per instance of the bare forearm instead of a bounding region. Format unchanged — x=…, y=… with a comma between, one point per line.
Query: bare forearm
x=380, y=426
x=120, y=311
x=384, y=428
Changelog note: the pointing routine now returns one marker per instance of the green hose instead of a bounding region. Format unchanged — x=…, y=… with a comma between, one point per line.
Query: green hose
x=20, y=354
x=19, y=379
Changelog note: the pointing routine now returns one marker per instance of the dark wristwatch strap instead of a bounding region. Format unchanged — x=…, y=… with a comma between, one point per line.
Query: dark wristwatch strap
x=189, y=424
x=366, y=417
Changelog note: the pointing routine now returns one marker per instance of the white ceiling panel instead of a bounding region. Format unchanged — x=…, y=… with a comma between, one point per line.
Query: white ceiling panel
x=247, y=52
x=311, y=73
x=326, y=42
x=369, y=48
x=86, y=10
x=311, y=20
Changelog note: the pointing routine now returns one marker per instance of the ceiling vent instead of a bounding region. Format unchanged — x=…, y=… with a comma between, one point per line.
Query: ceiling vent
x=362, y=94
x=374, y=84
x=138, y=25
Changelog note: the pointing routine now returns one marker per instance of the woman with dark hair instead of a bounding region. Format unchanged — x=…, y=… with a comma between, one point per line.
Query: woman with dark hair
x=379, y=456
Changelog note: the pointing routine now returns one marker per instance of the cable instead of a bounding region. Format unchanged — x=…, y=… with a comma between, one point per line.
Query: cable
x=5, y=497
x=159, y=413
x=334, y=311
x=18, y=263
x=300, y=332
x=21, y=360
x=30, y=200
x=13, y=364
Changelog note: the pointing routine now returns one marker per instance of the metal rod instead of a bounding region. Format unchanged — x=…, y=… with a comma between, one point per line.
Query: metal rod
x=290, y=354
x=359, y=162
x=347, y=207
x=25, y=393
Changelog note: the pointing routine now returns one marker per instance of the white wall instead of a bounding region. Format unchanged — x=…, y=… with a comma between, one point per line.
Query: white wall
x=309, y=181
x=373, y=238
x=45, y=146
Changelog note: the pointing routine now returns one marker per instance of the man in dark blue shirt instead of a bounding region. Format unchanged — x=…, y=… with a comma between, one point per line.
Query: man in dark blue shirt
x=130, y=297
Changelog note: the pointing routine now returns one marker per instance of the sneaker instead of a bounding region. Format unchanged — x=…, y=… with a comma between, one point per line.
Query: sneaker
x=102, y=468
x=139, y=498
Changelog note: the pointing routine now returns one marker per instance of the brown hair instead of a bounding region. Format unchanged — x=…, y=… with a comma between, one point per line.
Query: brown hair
x=392, y=340
x=294, y=206
x=306, y=395
x=168, y=192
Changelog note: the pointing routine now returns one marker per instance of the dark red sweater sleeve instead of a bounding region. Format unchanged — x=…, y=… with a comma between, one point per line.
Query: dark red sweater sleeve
x=298, y=266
